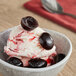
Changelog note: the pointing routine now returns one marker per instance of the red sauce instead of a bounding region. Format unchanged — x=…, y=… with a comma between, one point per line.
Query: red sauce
x=32, y=38
x=34, y=56
x=54, y=54
x=19, y=35
x=19, y=40
x=12, y=41
x=48, y=60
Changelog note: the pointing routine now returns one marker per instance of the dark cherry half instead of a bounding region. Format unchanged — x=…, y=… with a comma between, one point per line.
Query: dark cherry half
x=37, y=63
x=29, y=23
x=59, y=57
x=46, y=41
x=15, y=61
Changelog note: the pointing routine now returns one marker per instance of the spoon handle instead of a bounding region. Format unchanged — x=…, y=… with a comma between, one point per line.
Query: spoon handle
x=64, y=13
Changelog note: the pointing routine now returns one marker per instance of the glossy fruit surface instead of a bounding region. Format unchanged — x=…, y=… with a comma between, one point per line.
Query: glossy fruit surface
x=29, y=23
x=59, y=57
x=15, y=61
x=37, y=63
x=46, y=41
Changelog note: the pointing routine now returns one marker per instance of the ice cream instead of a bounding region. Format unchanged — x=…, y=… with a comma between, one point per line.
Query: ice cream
x=25, y=45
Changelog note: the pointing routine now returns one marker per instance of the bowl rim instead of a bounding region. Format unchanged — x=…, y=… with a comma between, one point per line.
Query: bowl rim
x=45, y=68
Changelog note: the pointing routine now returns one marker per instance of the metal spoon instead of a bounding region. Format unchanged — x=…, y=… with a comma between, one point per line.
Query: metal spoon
x=59, y=9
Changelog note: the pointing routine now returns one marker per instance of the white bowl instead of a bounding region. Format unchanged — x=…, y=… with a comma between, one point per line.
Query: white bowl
x=63, y=45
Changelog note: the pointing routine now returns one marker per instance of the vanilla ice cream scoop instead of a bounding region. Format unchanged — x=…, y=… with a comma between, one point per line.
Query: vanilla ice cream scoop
x=25, y=45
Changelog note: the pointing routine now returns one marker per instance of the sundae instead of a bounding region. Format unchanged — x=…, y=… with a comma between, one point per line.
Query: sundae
x=29, y=45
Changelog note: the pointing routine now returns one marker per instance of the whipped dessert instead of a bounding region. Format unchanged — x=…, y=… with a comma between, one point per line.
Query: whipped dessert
x=29, y=45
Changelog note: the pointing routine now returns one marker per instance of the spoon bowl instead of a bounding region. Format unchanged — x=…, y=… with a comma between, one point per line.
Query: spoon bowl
x=48, y=7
